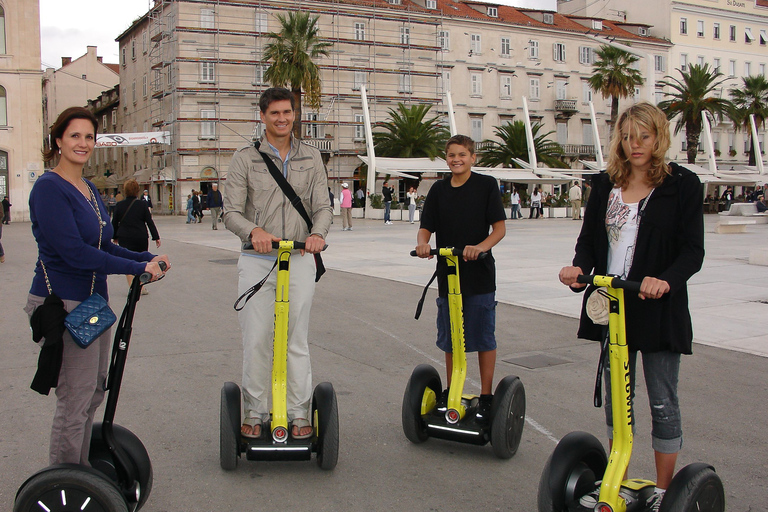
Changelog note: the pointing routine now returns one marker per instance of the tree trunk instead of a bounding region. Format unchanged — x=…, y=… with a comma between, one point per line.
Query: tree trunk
x=297, y=110
x=614, y=117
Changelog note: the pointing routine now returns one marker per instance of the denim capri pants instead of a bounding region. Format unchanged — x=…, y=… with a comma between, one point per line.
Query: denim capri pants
x=661, y=371
x=479, y=323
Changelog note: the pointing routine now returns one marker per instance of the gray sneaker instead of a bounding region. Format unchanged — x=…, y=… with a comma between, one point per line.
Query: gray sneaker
x=654, y=502
x=590, y=499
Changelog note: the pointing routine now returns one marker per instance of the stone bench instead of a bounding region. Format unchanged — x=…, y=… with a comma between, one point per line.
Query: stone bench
x=739, y=224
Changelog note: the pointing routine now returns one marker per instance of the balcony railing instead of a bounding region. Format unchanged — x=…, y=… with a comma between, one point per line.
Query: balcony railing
x=566, y=106
x=578, y=149
x=319, y=144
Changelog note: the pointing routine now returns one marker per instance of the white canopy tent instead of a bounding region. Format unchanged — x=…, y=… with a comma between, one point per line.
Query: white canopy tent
x=525, y=175
x=402, y=166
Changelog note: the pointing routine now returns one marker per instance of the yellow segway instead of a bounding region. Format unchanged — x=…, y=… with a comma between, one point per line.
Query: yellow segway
x=579, y=463
x=456, y=420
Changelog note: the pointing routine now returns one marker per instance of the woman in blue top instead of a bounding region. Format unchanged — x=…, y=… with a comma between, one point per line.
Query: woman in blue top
x=75, y=254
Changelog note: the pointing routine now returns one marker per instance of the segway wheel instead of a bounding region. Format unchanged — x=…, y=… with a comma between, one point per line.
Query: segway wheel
x=507, y=417
x=102, y=459
x=68, y=488
x=325, y=411
x=572, y=471
x=229, y=426
x=695, y=488
x=423, y=377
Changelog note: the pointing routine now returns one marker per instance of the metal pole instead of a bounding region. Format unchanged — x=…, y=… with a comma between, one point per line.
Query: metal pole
x=371, y=180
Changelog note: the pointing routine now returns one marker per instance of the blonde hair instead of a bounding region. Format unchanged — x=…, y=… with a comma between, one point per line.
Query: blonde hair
x=639, y=116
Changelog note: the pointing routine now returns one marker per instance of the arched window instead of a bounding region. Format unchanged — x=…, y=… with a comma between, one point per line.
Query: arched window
x=3, y=107
x=2, y=30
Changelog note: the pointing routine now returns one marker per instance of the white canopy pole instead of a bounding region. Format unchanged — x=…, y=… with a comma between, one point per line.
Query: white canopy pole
x=371, y=180
x=451, y=116
x=596, y=136
x=709, y=145
x=529, y=136
x=756, y=145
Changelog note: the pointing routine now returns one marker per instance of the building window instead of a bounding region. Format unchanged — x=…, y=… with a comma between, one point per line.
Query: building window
x=748, y=37
x=586, y=92
x=475, y=44
x=534, y=87
x=2, y=30
x=207, y=72
x=562, y=133
x=586, y=55
x=144, y=86
x=476, y=130
x=122, y=56
x=659, y=64
x=207, y=124
x=493, y=12
x=659, y=97
x=133, y=49
x=533, y=49
x=505, y=86
x=114, y=117
x=683, y=62
x=762, y=69
x=133, y=91
x=360, y=79
x=683, y=25
x=431, y=4
x=763, y=37
x=261, y=22
x=207, y=18
x=405, y=83
x=586, y=133
x=747, y=69
x=731, y=68
x=444, y=40
x=359, y=127
x=561, y=89
x=405, y=35
x=359, y=31
x=169, y=75
x=506, y=47
x=716, y=64
x=476, y=84
x=3, y=107
x=104, y=121
x=700, y=28
x=558, y=52
x=312, y=129
x=446, y=76
x=258, y=77
x=700, y=60
x=732, y=34
x=716, y=31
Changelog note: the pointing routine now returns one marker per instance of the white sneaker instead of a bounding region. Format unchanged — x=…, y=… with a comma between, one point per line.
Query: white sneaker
x=654, y=502
x=589, y=500
x=349, y=228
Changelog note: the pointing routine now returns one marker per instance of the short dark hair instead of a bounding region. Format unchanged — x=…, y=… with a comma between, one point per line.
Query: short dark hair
x=61, y=124
x=275, y=94
x=461, y=140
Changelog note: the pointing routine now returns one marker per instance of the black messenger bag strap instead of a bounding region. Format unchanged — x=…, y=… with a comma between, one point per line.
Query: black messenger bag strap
x=294, y=200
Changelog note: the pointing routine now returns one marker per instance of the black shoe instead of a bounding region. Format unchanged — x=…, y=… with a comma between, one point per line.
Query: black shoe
x=483, y=414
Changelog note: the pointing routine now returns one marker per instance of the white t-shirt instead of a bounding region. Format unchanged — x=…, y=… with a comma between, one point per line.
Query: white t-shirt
x=515, y=198
x=621, y=222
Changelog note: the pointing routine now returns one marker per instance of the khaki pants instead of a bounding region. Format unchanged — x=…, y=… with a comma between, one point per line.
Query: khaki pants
x=257, y=322
x=576, y=209
x=79, y=392
x=346, y=217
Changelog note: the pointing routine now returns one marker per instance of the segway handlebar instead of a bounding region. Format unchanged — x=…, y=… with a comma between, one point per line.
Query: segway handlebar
x=297, y=246
x=613, y=282
x=456, y=252
x=146, y=277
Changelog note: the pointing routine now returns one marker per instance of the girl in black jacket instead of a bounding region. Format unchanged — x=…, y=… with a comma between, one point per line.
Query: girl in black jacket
x=644, y=222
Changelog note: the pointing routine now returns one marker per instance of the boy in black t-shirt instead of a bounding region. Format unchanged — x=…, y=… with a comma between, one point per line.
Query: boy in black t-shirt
x=461, y=210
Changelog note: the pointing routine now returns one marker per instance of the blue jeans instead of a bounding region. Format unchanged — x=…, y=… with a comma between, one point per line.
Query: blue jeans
x=387, y=205
x=190, y=216
x=515, y=213
x=661, y=371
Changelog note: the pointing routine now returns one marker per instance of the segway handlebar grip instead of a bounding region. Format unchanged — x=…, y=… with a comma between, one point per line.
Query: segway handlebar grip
x=613, y=282
x=456, y=252
x=296, y=245
x=146, y=277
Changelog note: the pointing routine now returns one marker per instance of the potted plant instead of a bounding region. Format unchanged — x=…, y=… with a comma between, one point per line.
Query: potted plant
x=732, y=152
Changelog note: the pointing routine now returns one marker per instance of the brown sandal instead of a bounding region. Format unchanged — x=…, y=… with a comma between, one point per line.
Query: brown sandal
x=252, y=424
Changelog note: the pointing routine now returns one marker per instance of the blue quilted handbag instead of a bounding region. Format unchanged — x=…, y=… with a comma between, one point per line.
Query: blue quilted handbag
x=89, y=320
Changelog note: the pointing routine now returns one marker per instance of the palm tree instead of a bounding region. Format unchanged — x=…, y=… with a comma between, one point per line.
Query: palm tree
x=615, y=77
x=515, y=145
x=409, y=135
x=751, y=98
x=292, y=53
x=692, y=96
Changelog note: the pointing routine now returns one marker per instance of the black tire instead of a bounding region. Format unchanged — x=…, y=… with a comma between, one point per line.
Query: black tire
x=424, y=376
x=229, y=426
x=101, y=458
x=327, y=428
x=695, y=488
x=65, y=488
x=573, y=470
x=507, y=417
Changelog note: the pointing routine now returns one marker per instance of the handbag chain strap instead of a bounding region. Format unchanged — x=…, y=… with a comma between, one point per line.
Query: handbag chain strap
x=97, y=210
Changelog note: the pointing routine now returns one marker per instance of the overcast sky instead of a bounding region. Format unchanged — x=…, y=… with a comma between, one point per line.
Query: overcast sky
x=68, y=26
